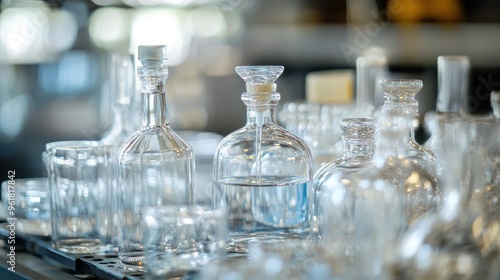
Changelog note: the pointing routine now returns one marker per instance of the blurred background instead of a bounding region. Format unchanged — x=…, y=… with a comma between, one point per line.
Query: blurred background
x=54, y=53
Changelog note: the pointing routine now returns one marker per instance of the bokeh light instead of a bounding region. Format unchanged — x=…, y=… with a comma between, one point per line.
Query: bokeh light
x=110, y=36
x=161, y=26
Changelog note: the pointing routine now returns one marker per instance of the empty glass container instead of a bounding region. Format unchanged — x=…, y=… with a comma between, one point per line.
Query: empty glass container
x=360, y=204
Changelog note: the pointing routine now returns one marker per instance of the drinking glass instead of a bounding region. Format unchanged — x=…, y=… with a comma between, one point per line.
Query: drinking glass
x=79, y=183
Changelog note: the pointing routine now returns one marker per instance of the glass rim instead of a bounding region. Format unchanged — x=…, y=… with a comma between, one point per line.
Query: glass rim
x=74, y=145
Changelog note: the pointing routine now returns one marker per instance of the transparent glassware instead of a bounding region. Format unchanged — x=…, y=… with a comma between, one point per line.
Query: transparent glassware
x=156, y=167
x=262, y=171
x=371, y=68
x=419, y=175
x=360, y=204
x=461, y=241
x=122, y=89
x=358, y=136
x=453, y=85
x=329, y=98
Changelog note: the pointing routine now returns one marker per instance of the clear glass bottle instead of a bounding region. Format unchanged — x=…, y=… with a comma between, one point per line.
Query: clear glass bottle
x=156, y=167
x=262, y=171
x=360, y=204
x=121, y=88
x=420, y=175
x=358, y=135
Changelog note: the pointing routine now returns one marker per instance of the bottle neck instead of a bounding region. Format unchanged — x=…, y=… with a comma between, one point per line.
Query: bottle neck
x=261, y=115
x=359, y=151
x=154, y=103
x=407, y=112
x=261, y=107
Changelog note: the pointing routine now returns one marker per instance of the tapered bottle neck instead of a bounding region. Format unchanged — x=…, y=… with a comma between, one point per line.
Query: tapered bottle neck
x=394, y=131
x=154, y=101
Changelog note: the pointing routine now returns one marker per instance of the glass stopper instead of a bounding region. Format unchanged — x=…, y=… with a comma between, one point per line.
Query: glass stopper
x=401, y=92
x=260, y=79
x=357, y=129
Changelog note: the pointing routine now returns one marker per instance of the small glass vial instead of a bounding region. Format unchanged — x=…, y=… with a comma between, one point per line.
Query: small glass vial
x=359, y=204
x=415, y=165
x=262, y=171
x=156, y=167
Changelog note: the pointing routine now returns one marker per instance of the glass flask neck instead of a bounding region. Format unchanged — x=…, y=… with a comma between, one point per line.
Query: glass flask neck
x=359, y=151
x=358, y=135
x=261, y=107
x=154, y=101
x=394, y=132
x=453, y=83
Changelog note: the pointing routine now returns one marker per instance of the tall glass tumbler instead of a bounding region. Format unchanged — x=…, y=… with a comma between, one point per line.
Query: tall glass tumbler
x=79, y=182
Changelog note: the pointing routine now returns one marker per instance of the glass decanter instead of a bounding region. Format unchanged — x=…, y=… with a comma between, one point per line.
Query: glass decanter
x=262, y=171
x=122, y=88
x=419, y=176
x=360, y=204
x=156, y=167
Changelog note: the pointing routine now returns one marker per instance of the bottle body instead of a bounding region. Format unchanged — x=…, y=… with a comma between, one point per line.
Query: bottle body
x=156, y=169
x=359, y=204
x=269, y=200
